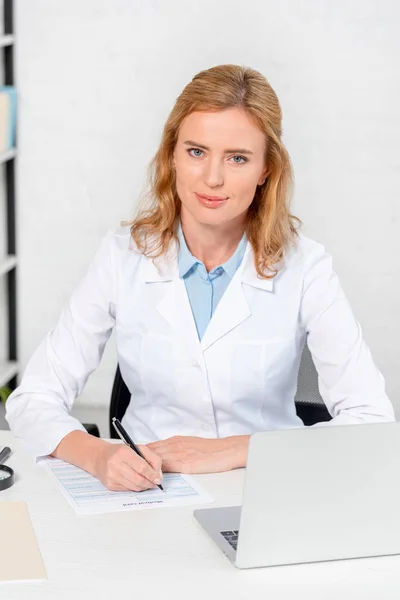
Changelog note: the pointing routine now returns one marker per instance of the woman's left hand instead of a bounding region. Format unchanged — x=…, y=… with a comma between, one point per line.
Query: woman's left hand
x=187, y=454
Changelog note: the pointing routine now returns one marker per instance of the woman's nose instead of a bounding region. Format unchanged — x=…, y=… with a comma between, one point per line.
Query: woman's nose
x=214, y=173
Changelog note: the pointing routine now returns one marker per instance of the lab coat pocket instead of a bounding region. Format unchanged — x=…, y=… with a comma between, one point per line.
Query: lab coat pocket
x=245, y=381
x=278, y=356
x=158, y=367
x=246, y=370
x=279, y=371
x=259, y=369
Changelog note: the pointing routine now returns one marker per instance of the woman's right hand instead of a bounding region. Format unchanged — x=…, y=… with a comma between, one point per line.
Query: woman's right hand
x=119, y=468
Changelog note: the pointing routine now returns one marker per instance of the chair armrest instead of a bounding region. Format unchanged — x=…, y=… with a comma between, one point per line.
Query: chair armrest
x=312, y=412
x=92, y=429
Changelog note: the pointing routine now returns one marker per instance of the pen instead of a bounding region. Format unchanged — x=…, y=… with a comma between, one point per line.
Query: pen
x=128, y=440
x=4, y=454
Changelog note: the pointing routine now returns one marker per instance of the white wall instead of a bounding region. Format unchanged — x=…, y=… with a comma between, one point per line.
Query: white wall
x=97, y=80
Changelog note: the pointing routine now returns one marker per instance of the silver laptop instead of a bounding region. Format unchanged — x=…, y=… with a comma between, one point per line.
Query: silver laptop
x=314, y=494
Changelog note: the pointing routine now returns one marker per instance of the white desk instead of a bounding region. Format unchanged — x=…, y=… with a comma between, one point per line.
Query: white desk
x=164, y=554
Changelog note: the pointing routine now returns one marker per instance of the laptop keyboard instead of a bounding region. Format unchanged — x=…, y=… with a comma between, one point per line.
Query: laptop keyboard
x=231, y=537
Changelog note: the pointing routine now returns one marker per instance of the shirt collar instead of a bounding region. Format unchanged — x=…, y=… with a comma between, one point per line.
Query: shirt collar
x=186, y=260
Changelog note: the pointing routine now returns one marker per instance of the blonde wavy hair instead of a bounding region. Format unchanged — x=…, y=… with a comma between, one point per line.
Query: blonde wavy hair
x=270, y=227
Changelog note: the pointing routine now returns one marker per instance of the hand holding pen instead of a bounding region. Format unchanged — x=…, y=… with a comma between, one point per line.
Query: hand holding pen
x=121, y=468
x=123, y=434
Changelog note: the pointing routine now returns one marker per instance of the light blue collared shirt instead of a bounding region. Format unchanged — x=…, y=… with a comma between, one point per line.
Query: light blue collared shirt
x=205, y=289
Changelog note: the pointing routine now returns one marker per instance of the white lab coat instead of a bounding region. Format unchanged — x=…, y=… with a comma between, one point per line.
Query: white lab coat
x=240, y=378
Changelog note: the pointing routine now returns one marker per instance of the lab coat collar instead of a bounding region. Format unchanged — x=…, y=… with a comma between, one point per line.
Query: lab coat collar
x=163, y=268
x=166, y=269
x=249, y=273
x=174, y=305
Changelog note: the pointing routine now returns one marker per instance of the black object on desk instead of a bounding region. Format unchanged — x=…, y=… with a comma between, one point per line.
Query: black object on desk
x=128, y=441
x=6, y=473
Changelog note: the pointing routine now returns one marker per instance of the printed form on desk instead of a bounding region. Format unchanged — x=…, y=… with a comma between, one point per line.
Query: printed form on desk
x=87, y=495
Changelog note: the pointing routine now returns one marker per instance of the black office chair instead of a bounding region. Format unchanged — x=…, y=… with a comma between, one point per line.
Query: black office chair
x=120, y=398
x=309, y=405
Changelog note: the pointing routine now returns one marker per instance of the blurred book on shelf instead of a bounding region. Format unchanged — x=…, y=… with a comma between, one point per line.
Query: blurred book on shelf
x=8, y=114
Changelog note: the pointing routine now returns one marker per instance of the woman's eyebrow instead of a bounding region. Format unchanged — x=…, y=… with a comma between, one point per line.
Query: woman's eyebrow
x=237, y=150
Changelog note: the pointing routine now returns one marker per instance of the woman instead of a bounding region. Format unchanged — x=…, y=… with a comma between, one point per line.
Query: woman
x=212, y=293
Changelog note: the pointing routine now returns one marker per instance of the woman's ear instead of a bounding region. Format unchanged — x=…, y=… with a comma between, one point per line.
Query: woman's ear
x=264, y=176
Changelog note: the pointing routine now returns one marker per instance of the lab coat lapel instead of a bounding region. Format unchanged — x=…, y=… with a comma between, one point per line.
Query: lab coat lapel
x=232, y=310
x=175, y=308
x=174, y=304
x=233, y=307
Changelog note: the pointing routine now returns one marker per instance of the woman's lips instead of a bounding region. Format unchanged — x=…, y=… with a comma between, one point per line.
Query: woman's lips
x=211, y=201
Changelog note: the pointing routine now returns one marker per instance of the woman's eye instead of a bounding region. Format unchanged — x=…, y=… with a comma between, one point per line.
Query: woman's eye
x=196, y=152
x=241, y=160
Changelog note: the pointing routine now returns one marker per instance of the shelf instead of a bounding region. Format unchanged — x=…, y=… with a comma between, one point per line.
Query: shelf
x=7, y=264
x=7, y=155
x=6, y=40
x=8, y=370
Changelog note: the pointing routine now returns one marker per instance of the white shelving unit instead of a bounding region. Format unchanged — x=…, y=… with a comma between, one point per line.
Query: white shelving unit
x=7, y=155
x=6, y=40
x=8, y=263
x=8, y=370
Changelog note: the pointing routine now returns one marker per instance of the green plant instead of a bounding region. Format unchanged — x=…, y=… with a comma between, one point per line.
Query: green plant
x=4, y=393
